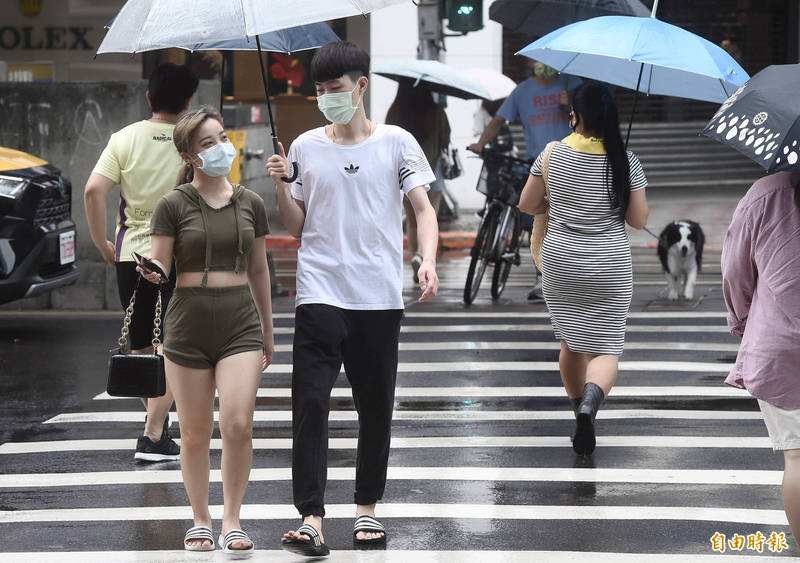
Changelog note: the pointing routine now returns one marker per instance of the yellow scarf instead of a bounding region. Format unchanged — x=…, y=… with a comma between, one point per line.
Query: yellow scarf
x=590, y=145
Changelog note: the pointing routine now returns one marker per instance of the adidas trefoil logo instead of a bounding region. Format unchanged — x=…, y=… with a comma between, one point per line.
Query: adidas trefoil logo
x=352, y=169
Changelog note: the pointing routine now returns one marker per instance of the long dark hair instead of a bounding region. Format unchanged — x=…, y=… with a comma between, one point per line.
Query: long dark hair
x=413, y=109
x=598, y=113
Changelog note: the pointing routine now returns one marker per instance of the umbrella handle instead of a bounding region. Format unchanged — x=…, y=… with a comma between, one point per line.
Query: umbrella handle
x=295, y=167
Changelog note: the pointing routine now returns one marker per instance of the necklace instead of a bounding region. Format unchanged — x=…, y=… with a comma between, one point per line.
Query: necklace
x=332, y=134
x=157, y=118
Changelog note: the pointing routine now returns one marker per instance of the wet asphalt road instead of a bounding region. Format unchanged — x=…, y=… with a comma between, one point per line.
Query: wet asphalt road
x=481, y=462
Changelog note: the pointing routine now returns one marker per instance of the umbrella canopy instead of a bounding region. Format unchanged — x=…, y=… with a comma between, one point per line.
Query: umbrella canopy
x=645, y=54
x=144, y=25
x=497, y=84
x=762, y=119
x=439, y=77
x=538, y=17
x=290, y=40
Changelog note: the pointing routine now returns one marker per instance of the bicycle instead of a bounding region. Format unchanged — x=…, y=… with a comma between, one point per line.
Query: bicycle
x=501, y=180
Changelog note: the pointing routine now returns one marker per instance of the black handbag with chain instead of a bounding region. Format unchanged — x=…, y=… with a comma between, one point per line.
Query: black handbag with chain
x=137, y=375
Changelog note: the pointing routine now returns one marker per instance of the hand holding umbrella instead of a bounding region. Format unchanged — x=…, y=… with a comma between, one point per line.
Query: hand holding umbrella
x=145, y=25
x=278, y=166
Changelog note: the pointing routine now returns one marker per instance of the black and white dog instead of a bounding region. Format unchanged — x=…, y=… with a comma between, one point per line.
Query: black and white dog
x=680, y=249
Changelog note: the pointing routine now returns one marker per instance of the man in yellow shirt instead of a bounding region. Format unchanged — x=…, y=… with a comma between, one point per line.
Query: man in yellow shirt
x=141, y=158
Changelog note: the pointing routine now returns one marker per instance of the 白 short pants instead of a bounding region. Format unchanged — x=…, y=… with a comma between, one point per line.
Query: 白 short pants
x=206, y=324
x=144, y=310
x=783, y=426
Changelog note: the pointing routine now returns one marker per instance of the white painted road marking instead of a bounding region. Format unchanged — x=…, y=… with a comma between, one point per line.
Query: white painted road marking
x=438, y=442
x=488, y=392
x=413, y=510
x=457, y=416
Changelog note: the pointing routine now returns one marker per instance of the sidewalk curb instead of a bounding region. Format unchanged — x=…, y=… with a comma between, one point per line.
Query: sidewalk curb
x=448, y=240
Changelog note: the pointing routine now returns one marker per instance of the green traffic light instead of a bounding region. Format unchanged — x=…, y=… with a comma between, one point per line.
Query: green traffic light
x=464, y=15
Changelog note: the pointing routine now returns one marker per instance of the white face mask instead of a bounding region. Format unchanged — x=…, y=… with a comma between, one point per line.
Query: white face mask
x=217, y=160
x=338, y=107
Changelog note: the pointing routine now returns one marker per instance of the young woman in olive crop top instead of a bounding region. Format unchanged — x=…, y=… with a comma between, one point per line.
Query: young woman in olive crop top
x=219, y=336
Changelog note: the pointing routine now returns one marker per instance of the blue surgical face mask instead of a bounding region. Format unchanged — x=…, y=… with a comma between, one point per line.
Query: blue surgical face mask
x=217, y=160
x=338, y=107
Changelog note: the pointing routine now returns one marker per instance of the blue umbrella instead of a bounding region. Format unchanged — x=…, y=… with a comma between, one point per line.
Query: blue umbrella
x=644, y=54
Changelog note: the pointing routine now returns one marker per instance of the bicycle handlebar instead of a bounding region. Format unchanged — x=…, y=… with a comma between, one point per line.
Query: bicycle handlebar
x=503, y=155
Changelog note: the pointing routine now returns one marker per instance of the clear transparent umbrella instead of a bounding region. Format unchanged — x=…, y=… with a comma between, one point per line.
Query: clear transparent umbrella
x=145, y=25
x=439, y=77
x=497, y=84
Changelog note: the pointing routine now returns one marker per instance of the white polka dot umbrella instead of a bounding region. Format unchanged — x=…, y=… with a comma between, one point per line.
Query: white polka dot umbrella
x=762, y=119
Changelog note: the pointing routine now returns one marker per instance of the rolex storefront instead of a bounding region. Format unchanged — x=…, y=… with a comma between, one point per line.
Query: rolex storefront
x=55, y=40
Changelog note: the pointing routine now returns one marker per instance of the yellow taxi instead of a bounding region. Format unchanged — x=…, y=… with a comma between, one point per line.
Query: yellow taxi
x=37, y=234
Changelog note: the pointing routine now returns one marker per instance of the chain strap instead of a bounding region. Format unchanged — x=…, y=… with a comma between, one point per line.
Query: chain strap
x=157, y=323
x=123, y=339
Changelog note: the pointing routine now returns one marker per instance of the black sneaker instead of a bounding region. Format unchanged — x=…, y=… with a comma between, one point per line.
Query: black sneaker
x=535, y=294
x=164, y=450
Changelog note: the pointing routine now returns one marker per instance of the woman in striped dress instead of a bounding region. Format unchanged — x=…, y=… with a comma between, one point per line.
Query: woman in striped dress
x=587, y=275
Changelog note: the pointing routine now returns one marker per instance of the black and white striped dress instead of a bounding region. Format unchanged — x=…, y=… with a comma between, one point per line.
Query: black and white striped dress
x=587, y=273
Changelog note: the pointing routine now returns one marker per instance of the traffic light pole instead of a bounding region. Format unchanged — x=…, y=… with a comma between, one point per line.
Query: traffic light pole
x=429, y=20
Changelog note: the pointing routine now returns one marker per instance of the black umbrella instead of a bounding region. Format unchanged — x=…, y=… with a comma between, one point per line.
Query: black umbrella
x=762, y=119
x=539, y=17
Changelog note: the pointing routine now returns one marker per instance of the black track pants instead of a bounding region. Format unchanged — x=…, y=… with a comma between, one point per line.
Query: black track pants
x=366, y=342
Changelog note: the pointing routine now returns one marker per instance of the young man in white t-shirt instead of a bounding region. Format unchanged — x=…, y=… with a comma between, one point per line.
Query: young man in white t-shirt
x=346, y=207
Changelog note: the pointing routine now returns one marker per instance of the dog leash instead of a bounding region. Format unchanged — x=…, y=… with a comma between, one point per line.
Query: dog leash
x=652, y=233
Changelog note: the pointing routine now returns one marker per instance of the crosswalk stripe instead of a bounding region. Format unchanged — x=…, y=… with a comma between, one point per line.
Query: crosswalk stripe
x=439, y=329
x=485, y=367
x=396, y=556
x=484, y=392
x=549, y=345
x=737, y=477
x=546, y=315
x=637, y=281
x=451, y=415
x=541, y=315
x=415, y=510
x=554, y=474
x=660, y=441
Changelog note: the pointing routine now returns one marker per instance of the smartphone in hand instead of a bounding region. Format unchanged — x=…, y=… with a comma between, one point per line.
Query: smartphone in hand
x=149, y=265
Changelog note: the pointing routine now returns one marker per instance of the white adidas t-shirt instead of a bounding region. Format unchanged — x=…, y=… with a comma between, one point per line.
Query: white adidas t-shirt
x=351, y=253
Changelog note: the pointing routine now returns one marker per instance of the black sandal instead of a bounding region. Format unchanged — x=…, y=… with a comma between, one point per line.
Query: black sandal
x=312, y=547
x=368, y=524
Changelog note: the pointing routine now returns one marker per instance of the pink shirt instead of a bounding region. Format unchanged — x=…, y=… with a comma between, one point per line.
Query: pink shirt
x=761, y=283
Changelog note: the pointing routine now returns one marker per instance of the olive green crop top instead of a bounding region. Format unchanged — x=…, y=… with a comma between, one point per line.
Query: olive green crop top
x=207, y=238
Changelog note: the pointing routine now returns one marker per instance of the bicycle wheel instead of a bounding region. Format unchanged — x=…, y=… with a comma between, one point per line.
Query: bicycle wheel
x=480, y=254
x=507, y=256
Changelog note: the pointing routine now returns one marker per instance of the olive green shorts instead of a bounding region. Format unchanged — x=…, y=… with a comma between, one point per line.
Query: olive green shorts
x=206, y=324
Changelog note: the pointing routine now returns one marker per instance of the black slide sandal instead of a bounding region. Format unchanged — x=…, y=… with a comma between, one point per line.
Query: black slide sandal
x=312, y=547
x=368, y=524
